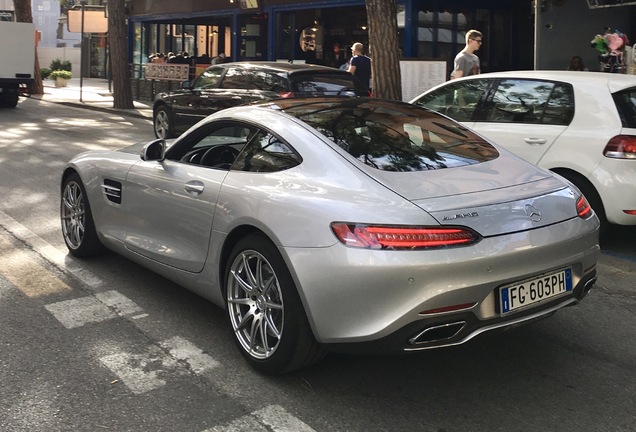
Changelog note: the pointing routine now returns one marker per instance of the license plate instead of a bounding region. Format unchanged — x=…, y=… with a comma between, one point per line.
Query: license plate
x=535, y=290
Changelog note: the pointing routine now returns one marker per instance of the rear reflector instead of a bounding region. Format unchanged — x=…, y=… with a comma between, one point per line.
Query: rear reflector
x=621, y=147
x=285, y=95
x=583, y=208
x=630, y=212
x=448, y=308
x=401, y=237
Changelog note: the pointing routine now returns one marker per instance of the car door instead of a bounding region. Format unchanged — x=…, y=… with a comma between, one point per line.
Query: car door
x=197, y=100
x=170, y=204
x=526, y=116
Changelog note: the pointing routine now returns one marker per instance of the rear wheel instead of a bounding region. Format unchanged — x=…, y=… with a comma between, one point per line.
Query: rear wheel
x=590, y=193
x=268, y=320
x=78, y=228
x=163, y=123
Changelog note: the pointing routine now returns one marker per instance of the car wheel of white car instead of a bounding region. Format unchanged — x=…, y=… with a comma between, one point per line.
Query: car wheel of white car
x=267, y=317
x=163, y=124
x=78, y=228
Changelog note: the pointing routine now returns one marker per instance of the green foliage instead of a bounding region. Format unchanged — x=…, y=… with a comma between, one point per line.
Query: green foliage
x=45, y=72
x=60, y=73
x=58, y=64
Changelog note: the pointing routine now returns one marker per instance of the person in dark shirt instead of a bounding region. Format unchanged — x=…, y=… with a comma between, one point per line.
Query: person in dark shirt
x=360, y=65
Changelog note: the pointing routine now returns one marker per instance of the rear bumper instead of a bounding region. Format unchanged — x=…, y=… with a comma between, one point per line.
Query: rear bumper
x=458, y=328
x=354, y=296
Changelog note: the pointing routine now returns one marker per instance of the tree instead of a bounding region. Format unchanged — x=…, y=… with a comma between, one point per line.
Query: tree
x=117, y=37
x=383, y=45
x=23, y=13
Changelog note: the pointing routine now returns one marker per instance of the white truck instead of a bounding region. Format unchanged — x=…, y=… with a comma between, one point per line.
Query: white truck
x=17, y=50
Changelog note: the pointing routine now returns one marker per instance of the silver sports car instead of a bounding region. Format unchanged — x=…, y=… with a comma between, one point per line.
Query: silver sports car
x=339, y=224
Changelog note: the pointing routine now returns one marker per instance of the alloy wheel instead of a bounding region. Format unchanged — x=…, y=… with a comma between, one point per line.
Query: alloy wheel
x=255, y=304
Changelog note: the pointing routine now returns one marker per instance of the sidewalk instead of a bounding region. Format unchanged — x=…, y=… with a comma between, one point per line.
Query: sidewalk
x=94, y=94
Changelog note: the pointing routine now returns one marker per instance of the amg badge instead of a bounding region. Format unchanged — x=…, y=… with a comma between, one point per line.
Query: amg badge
x=460, y=216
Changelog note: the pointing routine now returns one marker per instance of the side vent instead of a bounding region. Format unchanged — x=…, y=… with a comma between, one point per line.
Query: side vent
x=112, y=191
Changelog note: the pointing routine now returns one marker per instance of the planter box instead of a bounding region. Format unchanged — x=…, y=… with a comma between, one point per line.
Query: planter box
x=61, y=82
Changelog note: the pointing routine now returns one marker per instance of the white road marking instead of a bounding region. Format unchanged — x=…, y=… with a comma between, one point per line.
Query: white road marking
x=141, y=373
x=91, y=309
x=184, y=350
x=118, y=301
x=78, y=312
x=147, y=371
x=26, y=273
x=271, y=418
x=60, y=259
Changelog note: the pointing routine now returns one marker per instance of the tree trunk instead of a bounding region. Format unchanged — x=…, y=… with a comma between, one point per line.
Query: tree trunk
x=383, y=49
x=117, y=35
x=23, y=14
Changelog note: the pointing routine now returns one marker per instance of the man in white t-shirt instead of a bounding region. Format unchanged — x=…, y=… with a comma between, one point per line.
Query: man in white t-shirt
x=466, y=62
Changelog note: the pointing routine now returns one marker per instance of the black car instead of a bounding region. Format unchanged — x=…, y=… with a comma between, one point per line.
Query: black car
x=227, y=85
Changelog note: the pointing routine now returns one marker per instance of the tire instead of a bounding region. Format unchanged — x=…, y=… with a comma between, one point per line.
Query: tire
x=78, y=227
x=163, y=123
x=592, y=196
x=268, y=321
x=9, y=100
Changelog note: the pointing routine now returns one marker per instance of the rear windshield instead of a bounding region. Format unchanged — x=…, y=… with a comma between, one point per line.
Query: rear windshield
x=326, y=84
x=626, y=104
x=392, y=136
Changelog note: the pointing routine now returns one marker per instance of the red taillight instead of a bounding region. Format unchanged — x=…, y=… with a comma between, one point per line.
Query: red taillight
x=583, y=208
x=398, y=237
x=448, y=308
x=621, y=147
x=630, y=212
x=285, y=95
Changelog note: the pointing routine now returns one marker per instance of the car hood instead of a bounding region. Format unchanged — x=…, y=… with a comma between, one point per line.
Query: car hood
x=500, y=196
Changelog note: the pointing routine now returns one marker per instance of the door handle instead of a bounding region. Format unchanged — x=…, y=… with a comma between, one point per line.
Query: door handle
x=194, y=187
x=535, y=140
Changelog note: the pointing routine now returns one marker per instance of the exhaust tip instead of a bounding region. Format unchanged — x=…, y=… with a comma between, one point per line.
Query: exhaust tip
x=437, y=333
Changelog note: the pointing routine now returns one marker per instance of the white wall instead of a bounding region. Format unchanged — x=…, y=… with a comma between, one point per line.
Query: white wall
x=47, y=55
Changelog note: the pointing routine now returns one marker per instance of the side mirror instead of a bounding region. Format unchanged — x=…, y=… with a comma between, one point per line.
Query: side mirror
x=154, y=150
x=187, y=85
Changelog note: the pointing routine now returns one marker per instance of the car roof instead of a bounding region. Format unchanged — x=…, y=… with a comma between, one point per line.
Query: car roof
x=282, y=66
x=615, y=82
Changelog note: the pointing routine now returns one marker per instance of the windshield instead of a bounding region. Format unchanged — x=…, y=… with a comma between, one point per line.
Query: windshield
x=392, y=136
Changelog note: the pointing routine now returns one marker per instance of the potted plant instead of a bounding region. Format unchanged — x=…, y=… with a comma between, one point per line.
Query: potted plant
x=60, y=77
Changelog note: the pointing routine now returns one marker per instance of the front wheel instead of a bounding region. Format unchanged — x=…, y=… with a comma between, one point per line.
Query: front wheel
x=163, y=123
x=78, y=228
x=266, y=314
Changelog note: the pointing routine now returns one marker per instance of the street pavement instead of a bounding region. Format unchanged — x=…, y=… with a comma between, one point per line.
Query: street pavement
x=90, y=93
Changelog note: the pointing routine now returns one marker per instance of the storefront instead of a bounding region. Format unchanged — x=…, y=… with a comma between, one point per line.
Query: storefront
x=323, y=31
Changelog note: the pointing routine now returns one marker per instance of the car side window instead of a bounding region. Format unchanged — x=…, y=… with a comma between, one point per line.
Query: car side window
x=626, y=104
x=266, y=153
x=560, y=107
x=457, y=100
x=530, y=101
x=237, y=78
x=215, y=146
x=208, y=79
x=268, y=81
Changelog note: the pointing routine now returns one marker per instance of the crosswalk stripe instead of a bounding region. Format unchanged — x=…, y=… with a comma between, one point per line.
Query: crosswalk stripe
x=60, y=259
x=271, y=418
x=26, y=274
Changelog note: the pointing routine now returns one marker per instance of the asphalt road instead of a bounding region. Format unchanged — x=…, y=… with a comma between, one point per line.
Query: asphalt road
x=103, y=344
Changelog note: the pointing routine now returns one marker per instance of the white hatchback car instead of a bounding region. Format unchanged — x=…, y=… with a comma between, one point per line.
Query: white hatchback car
x=581, y=125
